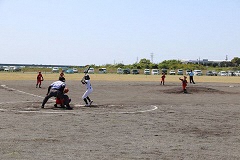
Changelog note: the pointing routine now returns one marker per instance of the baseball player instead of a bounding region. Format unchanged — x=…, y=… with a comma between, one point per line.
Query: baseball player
x=85, y=97
x=184, y=84
x=39, y=79
x=61, y=74
x=163, y=78
x=65, y=101
x=56, y=90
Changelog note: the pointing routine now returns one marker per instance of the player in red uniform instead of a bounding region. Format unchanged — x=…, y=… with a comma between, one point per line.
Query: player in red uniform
x=184, y=84
x=61, y=74
x=163, y=78
x=39, y=79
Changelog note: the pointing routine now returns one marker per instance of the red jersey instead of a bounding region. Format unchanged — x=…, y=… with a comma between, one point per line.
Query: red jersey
x=39, y=76
x=163, y=76
x=184, y=82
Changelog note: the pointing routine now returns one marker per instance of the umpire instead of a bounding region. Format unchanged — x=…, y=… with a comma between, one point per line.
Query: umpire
x=55, y=90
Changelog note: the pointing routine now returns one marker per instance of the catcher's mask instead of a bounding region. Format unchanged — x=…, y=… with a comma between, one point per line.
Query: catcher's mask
x=62, y=79
x=87, y=77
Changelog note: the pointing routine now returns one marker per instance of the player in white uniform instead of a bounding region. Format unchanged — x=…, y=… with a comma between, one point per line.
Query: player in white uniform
x=85, y=97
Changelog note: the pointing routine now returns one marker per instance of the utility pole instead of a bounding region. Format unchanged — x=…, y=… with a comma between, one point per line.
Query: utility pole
x=226, y=60
x=152, y=57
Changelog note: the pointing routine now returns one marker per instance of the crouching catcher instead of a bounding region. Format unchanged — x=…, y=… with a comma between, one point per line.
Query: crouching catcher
x=65, y=101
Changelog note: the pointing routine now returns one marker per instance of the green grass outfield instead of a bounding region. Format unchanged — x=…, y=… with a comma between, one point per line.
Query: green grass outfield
x=115, y=77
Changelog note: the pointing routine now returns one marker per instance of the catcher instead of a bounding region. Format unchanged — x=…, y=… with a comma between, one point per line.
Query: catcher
x=56, y=90
x=39, y=79
x=85, y=97
x=64, y=101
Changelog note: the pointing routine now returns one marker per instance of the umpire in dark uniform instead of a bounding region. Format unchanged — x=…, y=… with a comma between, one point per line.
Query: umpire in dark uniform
x=55, y=90
x=191, y=74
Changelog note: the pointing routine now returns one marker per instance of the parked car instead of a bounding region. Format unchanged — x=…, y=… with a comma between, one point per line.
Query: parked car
x=197, y=72
x=102, y=70
x=180, y=72
x=119, y=71
x=164, y=71
x=172, y=72
x=91, y=71
x=126, y=71
x=209, y=73
x=1, y=68
x=75, y=70
x=237, y=73
x=231, y=73
x=64, y=69
x=6, y=69
x=214, y=73
x=135, y=71
x=15, y=68
x=69, y=71
x=55, y=69
x=187, y=72
x=147, y=71
x=155, y=71
x=222, y=73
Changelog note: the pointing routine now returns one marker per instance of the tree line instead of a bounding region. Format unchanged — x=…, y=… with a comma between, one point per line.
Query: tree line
x=144, y=63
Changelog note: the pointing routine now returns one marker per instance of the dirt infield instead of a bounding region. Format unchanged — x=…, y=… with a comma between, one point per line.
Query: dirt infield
x=129, y=120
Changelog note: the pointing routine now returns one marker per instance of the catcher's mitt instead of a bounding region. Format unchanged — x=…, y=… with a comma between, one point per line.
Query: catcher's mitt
x=65, y=90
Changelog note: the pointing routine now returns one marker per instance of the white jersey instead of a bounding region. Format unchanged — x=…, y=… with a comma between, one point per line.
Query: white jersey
x=88, y=85
x=89, y=89
x=58, y=85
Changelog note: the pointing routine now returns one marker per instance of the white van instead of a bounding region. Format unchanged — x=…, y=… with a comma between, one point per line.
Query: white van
x=147, y=71
x=55, y=69
x=91, y=71
x=102, y=70
x=119, y=71
x=197, y=72
x=155, y=71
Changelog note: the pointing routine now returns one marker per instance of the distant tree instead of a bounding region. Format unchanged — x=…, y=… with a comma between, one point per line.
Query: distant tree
x=119, y=65
x=154, y=66
x=173, y=64
x=236, y=61
x=144, y=63
x=162, y=65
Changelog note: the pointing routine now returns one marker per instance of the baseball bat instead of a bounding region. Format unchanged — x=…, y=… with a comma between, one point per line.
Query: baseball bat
x=85, y=72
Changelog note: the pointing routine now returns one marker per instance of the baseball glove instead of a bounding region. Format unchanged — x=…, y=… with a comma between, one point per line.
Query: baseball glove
x=65, y=90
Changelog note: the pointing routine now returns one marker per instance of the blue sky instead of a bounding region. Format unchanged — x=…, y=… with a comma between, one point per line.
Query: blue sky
x=80, y=32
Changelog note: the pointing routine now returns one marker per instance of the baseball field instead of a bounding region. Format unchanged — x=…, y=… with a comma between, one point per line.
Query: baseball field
x=132, y=117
